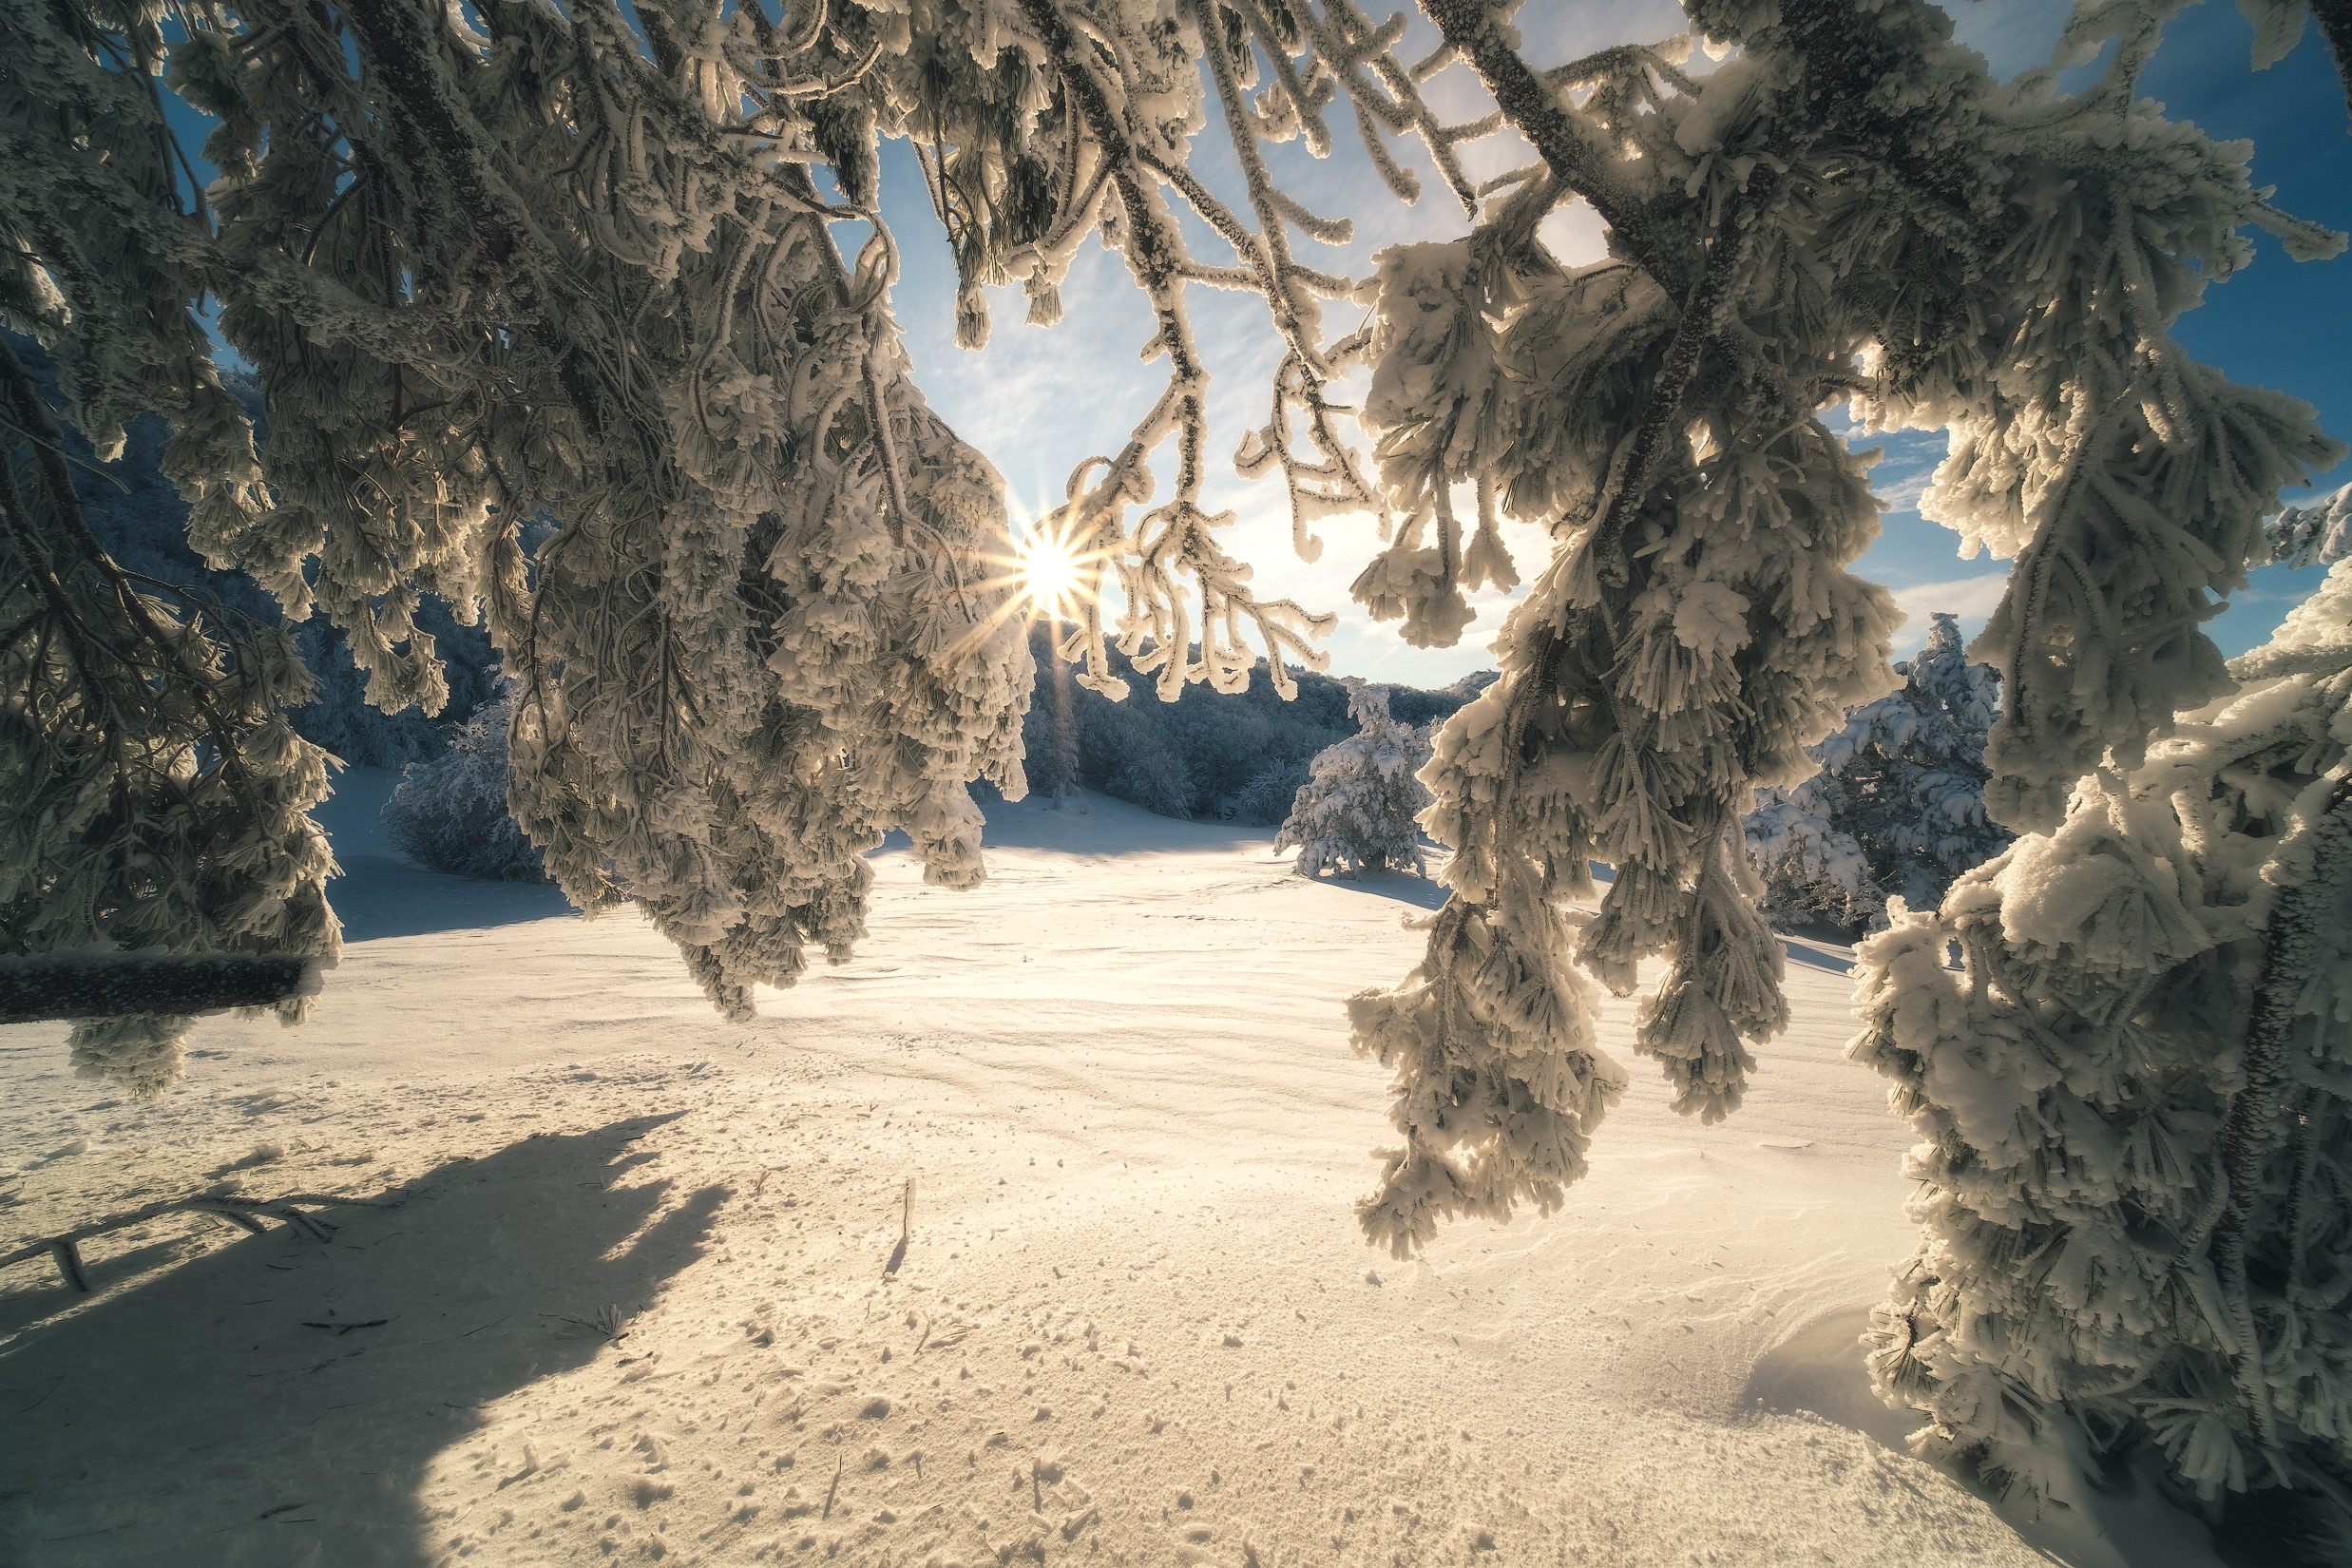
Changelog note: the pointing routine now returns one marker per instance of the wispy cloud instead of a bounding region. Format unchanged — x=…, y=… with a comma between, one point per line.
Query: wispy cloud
x=1970, y=598
x=1902, y=495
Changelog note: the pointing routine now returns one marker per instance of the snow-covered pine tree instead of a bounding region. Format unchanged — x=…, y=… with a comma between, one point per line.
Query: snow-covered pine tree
x=1812, y=871
x=157, y=796
x=1898, y=806
x=516, y=262
x=1695, y=631
x=2136, y=1107
x=554, y=269
x=1356, y=812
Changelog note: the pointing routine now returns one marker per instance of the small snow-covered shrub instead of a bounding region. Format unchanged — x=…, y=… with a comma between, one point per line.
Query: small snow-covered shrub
x=450, y=814
x=1356, y=810
x=1267, y=795
x=1813, y=869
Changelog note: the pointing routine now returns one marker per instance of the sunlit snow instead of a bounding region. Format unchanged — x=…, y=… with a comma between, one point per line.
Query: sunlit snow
x=1134, y=1321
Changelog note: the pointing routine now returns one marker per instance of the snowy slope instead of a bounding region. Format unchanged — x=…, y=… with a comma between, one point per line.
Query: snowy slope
x=1135, y=1322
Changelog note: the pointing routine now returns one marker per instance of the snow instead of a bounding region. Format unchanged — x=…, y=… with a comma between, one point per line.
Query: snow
x=1134, y=1321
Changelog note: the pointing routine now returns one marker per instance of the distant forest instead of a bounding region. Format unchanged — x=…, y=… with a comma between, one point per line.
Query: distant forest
x=1238, y=758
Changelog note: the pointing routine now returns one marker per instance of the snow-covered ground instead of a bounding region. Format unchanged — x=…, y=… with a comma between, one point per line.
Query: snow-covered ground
x=1135, y=1322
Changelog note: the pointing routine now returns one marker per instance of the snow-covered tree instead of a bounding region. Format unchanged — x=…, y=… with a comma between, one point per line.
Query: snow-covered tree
x=1356, y=812
x=1898, y=806
x=559, y=268
x=2136, y=1106
x=449, y=815
x=156, y=794
x=1812, y=871
x=1695, y=631
x=2004, y=263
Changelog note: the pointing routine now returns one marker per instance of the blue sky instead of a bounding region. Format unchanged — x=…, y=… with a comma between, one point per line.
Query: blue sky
x=1039, y=401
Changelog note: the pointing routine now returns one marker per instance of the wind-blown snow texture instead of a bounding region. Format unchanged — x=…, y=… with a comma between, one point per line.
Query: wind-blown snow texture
x=1136, y=1322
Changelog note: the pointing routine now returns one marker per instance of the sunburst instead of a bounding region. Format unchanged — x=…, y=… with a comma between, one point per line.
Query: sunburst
x=1049, y=572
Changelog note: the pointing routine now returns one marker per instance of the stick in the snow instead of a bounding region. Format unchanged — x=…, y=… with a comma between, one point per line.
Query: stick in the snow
x=69, y=1263
x=906, y=1231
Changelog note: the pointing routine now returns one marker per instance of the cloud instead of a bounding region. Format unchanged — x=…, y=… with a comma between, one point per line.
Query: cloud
x=1970, y=598
x=1903, y=494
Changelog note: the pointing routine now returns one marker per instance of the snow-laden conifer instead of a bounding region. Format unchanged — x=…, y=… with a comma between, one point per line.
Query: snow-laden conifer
x=2135, y=1102
x=1813, y=869
x=1898, y=808
x=1356, y=812
x=156, y=797
x=559, y=269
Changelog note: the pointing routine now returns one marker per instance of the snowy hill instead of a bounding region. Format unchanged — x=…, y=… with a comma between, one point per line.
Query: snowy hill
x=1134, y=1322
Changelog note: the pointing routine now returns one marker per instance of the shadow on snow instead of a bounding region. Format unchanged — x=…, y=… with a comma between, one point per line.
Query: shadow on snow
x=280, y=1400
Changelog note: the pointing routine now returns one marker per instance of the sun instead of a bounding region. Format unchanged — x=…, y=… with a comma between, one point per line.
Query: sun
x=1048, y=572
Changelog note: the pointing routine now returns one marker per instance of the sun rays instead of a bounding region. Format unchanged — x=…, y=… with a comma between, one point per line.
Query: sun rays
x=1049, y=573
x=1043, y=574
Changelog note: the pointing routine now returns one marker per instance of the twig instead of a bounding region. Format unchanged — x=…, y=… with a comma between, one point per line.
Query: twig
x=342, y=1329
x=835, y=1488
x=604, y=1321
x=906, y=1232
x=44, y=1394
x=65, y=1249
